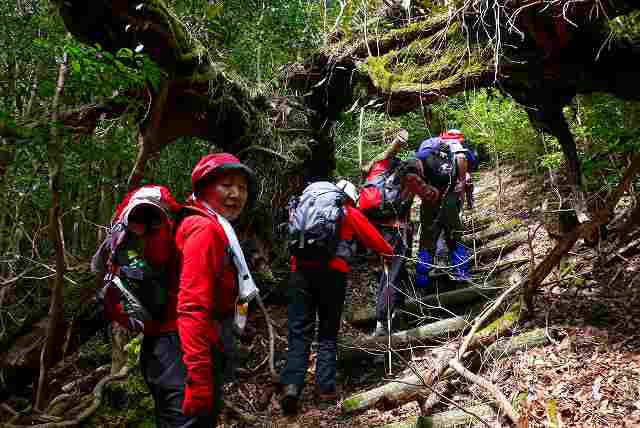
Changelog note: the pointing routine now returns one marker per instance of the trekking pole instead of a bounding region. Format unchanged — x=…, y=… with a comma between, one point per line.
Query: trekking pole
x=388, y=295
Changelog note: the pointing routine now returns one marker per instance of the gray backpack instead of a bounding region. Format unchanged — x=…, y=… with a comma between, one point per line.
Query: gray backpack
x=313, y=221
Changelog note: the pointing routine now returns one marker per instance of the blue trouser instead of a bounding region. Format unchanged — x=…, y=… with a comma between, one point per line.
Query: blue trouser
x=165, y=373
x=311, y=291
x=391, y=288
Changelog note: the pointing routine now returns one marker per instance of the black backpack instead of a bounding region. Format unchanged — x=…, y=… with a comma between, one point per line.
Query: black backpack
x=313, y=221
x=381, y=195
x=439, y=167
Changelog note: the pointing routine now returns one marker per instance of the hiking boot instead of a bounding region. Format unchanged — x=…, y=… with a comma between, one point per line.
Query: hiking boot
x=289, y=402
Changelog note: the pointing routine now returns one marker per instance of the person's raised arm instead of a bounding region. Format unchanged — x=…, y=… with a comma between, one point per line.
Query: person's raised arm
x=367, y=233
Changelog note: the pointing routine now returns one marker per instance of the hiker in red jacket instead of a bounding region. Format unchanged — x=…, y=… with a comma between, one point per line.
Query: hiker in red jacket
x=186, y=370
x=318, y=280
x=386, y=199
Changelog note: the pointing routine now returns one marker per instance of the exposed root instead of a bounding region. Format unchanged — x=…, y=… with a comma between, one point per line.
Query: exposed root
x=95, y=401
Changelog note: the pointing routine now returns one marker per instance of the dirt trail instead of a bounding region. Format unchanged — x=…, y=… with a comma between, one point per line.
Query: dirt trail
x=355, y=375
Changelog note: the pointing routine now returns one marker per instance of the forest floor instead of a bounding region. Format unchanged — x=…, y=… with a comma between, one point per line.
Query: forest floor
x=585, y=372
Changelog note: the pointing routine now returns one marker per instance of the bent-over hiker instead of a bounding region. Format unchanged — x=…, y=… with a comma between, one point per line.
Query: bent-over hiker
x=139, y=291
x=322, y=227
x=386, y=199
x=445, y=166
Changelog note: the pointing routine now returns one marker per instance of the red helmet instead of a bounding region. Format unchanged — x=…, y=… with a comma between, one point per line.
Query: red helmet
x=218, y=163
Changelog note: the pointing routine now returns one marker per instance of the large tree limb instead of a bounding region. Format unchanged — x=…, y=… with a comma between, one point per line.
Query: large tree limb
x=408, y=388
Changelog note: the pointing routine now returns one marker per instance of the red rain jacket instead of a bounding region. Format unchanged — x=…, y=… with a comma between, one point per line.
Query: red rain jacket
x=354, y=225
x=208, y=290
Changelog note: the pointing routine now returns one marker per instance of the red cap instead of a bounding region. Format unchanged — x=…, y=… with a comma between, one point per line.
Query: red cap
x=217, y=163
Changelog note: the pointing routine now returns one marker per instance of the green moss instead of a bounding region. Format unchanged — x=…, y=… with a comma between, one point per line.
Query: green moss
x=439, y=61
x=351, y=404
x=507, y=320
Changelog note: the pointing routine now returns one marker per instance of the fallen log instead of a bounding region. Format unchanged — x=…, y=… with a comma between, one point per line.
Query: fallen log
x=492, y=232
x=419, y=335
x=419, y=384
x=451, y=418
x=366, y=315
x=476, y=223
x=502, y=246
x=508, y=346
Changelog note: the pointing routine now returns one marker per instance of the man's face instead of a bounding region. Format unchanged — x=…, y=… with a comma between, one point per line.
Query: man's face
x=228, y=194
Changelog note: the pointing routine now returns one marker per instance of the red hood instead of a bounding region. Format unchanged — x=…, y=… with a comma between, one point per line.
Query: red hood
x=217, y=163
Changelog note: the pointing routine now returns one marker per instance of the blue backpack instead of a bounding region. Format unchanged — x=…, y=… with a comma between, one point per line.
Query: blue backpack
x=429, y=147
x=434, y=144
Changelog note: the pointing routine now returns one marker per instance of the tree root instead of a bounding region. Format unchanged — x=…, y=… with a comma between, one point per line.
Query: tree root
x=94, y=401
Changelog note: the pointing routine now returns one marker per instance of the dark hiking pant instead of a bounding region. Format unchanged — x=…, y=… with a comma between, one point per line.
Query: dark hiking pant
x=392, y=288
x=165, y=375
x=311, y=291
x=436, y=219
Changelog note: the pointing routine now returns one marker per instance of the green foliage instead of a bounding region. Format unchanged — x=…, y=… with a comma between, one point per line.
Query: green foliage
x=107, y=73
x=606, y=132
x=257, y=37
x=376, y=126
x=493, y=121
x=626, y=27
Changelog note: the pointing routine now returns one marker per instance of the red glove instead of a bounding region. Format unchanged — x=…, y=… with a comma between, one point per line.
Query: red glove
x=198, y=399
